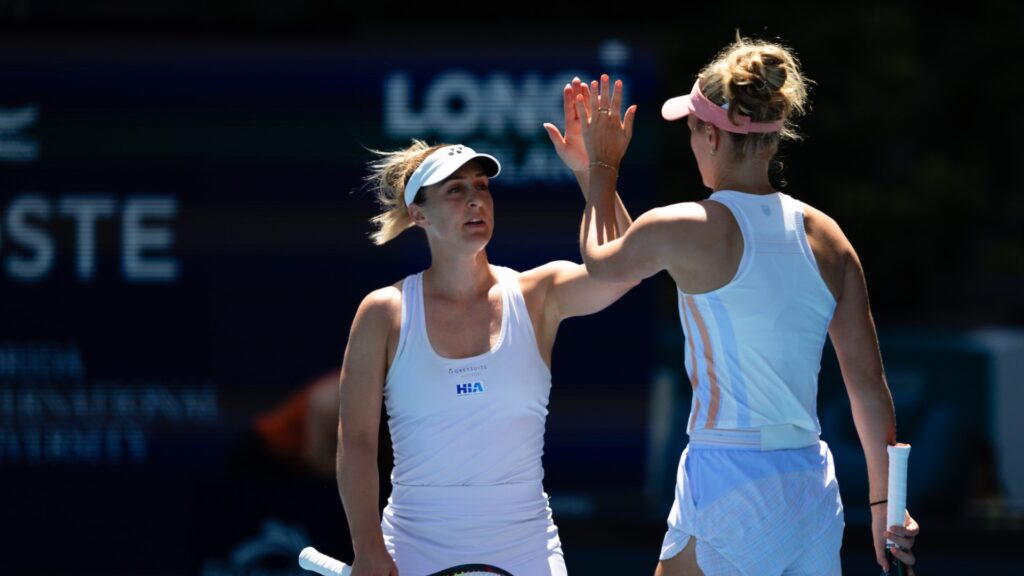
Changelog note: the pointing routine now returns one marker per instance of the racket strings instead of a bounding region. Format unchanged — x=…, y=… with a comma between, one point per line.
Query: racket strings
x=473, y=570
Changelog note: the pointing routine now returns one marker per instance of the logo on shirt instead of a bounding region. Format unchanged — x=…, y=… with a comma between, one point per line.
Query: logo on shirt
x=766, y=209
x=467, y=369
x=469, y=388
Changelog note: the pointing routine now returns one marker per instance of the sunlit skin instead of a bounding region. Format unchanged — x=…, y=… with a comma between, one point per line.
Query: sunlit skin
x=462, y=311
x=458, y=214
x=718, y=165
x=700, y=245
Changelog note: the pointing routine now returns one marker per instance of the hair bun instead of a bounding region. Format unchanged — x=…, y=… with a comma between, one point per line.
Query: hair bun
x=758, y=79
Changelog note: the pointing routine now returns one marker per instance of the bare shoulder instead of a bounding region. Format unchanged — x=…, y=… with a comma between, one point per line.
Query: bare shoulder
x=383, y=305
x=544, y=275
x=713, y=210
x=384, y=299
x=691, y=229
x=537, y=283
x=715, y=220
x=832, y=250
x=677, y=225
x=824, y=228
x=680, y=213
x=706, y=216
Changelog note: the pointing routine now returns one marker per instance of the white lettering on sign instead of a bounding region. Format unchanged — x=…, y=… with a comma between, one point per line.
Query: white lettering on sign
x=29, y=250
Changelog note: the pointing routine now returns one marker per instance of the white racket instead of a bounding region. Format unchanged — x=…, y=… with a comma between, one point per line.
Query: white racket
x=314, y=561
x=899, y=457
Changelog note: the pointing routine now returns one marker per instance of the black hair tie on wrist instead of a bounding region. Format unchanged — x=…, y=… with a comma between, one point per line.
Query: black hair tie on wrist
x=879, y=502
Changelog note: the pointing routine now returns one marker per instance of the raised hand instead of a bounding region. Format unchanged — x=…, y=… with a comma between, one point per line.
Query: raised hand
x=606, y=133
x=570, y=147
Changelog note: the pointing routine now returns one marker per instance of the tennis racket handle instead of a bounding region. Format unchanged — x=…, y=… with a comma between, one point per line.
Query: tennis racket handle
x=895, y=566
x=314, y=561
x=899, y=457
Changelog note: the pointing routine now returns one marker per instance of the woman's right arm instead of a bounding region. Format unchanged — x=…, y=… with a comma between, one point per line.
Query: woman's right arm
x=361, y=393
x=614, y=248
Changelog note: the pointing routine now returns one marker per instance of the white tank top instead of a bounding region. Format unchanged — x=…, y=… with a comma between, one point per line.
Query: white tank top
x=753, y=346
x=468, y=421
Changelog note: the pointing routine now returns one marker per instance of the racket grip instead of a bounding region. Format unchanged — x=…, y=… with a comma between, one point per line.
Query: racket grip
x=899, y=457
x=314, y=561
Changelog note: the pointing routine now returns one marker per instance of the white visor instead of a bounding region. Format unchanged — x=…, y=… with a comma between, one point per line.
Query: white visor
x=442, y=163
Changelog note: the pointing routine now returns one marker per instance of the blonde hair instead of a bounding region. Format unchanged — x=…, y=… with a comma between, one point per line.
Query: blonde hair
x=761, y=80
x=389, y=174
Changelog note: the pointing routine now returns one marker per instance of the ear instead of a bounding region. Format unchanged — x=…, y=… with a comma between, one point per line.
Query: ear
x=714, y=136
x=419, y=217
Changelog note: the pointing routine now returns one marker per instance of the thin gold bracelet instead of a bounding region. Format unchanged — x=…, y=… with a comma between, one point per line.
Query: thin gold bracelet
x=599, y=163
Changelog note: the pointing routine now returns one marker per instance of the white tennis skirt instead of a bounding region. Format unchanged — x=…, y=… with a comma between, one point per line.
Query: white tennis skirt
x=757, y=512
x=430, y=528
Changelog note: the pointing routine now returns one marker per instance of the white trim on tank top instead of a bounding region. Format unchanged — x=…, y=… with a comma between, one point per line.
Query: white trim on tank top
x=417, y=281
x=501, y=334
x=747, y=259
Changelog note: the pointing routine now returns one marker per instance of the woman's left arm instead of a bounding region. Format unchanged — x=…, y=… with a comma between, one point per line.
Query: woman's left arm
x=568, y=290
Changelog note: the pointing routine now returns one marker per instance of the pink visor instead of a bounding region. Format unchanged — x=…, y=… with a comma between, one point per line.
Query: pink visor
x=696, y=103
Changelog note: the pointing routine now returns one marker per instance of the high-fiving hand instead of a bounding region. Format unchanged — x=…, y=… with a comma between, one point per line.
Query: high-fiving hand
x=570, y=147
x=606, y=132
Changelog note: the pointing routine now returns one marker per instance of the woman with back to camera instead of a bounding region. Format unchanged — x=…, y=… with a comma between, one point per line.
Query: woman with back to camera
x=763, y=279
x=460, y=355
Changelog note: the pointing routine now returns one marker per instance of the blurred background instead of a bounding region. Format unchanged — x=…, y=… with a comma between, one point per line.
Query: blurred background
x=183, y=244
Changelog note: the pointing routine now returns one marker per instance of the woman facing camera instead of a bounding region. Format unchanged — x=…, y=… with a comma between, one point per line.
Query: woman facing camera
x=459, y=354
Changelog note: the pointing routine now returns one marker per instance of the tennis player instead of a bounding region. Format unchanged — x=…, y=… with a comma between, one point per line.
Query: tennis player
x=762, y=280
x=460, y=355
